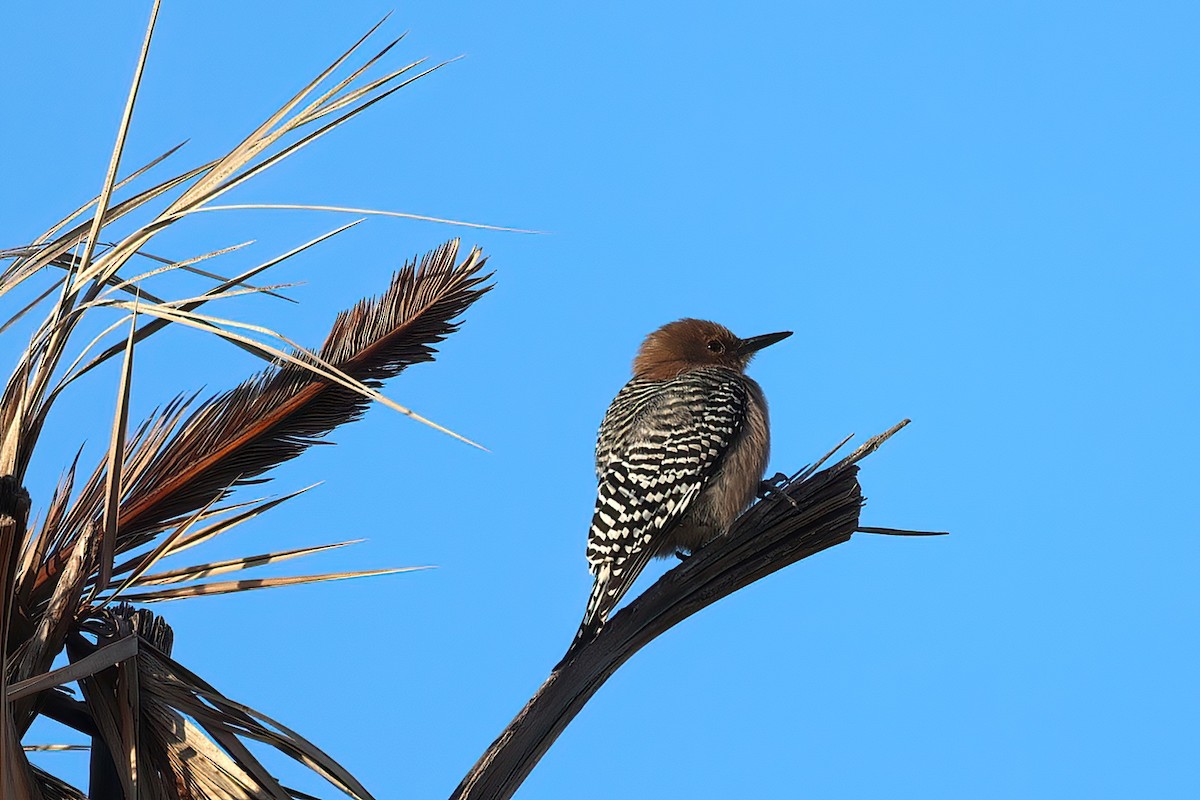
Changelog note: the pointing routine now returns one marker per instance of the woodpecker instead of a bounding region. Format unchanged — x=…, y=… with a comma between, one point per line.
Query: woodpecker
x=680, y=454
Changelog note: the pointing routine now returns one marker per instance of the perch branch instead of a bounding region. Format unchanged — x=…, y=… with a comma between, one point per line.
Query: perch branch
x=813, y=512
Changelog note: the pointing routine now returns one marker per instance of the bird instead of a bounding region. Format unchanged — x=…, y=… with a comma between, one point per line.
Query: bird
x=680, y=454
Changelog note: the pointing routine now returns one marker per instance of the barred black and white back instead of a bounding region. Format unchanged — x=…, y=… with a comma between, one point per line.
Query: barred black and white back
x=661, y=446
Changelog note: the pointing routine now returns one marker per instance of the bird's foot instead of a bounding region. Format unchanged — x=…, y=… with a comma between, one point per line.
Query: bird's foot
x=683, y=555
x=774, y=486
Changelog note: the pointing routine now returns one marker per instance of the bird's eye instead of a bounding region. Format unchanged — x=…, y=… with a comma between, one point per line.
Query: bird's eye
x=715, y=346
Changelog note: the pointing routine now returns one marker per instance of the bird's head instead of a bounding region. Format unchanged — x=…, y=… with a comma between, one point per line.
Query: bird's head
x=688, y=344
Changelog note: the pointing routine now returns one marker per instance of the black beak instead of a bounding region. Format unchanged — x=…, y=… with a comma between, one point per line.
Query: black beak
x=756, y=343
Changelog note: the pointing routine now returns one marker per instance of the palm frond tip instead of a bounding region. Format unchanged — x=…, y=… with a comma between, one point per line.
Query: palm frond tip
x=276, y=415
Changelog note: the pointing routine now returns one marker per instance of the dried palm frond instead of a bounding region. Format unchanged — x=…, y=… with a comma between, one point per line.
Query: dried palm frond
x=159, y=731
x=247, y=584
x=187, y=733
x=175, y=466
x=196, y=572
x=28, y=396
x=54, y=748
x=279, y=413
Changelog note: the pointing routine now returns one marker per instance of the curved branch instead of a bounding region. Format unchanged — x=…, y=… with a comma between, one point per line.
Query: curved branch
x=811, y=513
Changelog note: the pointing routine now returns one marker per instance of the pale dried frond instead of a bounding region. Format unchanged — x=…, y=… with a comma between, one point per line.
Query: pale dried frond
x=31, y=392
x=162, y=486
x=196, y=572
x=248, y=584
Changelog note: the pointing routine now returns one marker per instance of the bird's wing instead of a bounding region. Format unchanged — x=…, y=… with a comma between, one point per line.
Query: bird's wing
x=654, y=472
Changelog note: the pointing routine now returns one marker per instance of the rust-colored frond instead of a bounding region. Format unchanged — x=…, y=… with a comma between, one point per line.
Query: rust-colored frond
x=54, y=543
x=277, y=414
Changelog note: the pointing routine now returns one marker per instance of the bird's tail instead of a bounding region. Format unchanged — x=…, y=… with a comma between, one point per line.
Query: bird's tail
x=611, y=584
x=597, y=610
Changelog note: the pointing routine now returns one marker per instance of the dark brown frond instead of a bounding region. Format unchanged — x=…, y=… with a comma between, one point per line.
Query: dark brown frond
x=53, y=788
x=189, y=735
x=279, y=413
x=174, y=468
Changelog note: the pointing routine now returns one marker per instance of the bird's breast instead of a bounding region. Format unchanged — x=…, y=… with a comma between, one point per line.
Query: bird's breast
x=733, y=488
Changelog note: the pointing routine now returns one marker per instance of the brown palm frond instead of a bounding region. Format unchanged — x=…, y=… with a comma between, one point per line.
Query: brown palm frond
x=174, y=466
x=189, y=735
x=18, y=781
x=157, y=730
x=115, y=464
x=28, y=396
x=62, y=526
x=184, y=690
x=36, y=544
x=277, y=414
x=49, y=622
x=808, y=513
x=190, y=765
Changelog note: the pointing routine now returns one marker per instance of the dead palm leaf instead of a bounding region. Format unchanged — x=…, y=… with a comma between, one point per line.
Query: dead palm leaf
x=198, y=571
x=174, y=468
x=164, y=732
x=248, y=584
x=279, y=413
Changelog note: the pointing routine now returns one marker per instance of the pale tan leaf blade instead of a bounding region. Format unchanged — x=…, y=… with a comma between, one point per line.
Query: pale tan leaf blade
x=156, y=325
x=206, y=533
x=32, y=304
x=119, y=148
x=142, y=170
x=166, y=266
x=61, y=608
x=55, y=788
x=249, y=584
x=54, y=748
x=103, y=658
x=213, y=568
x=189, y=745
x=129, y=703
x=163, y=547
x=116, y=454
x=213, y=191
x=238, y=154
x=51, y=252
x=219, y=713
x=368, y=211
x=17, y=782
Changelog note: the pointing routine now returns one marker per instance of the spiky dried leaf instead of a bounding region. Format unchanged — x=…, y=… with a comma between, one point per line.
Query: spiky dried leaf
x=250, y=584
x=172, y=736
x=276, y=415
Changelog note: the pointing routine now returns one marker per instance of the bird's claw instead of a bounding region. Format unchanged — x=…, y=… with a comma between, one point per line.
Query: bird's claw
x=773, y=486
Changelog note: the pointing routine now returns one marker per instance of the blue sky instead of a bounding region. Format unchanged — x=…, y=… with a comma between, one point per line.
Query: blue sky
x=980, y=217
